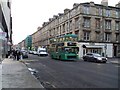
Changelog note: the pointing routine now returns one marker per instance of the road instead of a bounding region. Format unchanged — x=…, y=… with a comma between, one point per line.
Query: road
x=73, y=74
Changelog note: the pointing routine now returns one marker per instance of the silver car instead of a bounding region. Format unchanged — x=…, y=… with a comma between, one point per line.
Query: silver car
x=24, y=53
x=94, y=57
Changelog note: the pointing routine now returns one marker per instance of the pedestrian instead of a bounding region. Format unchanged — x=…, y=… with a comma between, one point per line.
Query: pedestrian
x=11, y=55
x=18, y=55
x=21, y=55
x=14, y=54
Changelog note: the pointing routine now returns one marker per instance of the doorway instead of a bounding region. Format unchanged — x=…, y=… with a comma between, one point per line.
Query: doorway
x=115, y=51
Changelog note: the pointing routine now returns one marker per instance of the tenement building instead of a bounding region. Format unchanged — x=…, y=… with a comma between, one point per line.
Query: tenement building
x=97, y=27
x=22, y=44
x=5, y=28
x=35, y=40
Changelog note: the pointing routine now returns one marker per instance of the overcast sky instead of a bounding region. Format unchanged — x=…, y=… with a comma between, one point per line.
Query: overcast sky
x=29, y=14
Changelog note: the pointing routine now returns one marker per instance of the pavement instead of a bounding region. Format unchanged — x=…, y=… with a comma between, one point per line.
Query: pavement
x=115, y=60
x=0, y=76
x=16, y=75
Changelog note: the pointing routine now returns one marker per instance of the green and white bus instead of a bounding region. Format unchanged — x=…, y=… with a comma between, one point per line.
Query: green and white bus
x=64, y=47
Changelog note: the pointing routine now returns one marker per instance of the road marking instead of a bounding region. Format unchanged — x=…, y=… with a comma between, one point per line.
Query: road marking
x=27, y=63
x=99, y=64
x=107, y=62
x=29, y=60
x=117, y=66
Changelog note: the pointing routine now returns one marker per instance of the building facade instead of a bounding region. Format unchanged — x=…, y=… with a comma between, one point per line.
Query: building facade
x=22, y=44
x=5, y=27
x=28, y=42
x=97, y=26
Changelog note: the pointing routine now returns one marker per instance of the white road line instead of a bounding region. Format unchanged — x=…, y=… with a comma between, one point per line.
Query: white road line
x=117, y=66
x=107, y=62
x=99, y=64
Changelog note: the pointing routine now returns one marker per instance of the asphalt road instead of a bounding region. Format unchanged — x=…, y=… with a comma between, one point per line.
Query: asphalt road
x=73, y=74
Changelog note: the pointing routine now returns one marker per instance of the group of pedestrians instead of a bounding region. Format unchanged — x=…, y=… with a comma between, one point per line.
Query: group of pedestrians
x=16, y=54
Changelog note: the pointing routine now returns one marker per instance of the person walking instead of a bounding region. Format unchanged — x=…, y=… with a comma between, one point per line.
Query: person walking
x=18, y=55
x=14, y=54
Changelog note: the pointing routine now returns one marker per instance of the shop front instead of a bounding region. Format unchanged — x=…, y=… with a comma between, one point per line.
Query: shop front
x=3, y=44
x=104, y=49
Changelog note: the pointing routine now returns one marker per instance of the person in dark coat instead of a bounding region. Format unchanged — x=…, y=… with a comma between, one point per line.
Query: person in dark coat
x=14, y=54
x=18, y=54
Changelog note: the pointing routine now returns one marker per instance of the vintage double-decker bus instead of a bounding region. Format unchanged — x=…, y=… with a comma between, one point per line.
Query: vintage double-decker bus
x=64, y=47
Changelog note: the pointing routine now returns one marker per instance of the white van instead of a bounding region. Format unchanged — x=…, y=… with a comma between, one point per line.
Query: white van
x=42, y=52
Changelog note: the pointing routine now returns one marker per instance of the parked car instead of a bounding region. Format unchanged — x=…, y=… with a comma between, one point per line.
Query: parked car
x=30, y=52
x=24, y=53
x=42, y=52
x=94, y=57
x=35, y=52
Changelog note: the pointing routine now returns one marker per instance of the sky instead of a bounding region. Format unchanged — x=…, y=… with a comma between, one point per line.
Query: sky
x=27, y=15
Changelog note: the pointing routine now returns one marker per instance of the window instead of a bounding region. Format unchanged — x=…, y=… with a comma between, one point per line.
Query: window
x=86, y=10
x=107, y=36
x=50, y=32
x=97, y=23
x=86, y=36
x=71, y=25
x=117, y=25
x=67, y=26
x=107, y=24
x=99, y=11
x=86, y=22
x=57, y=30
x=63, y=28
x=97, y=36
x=76, y=23
x=54, y=32
x=117, y=14
x=117, y=37
x=60, y=30
x=8, y=3
x=108, y=13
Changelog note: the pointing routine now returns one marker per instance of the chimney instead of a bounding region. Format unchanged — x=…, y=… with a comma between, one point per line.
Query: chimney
x=75, y=5
x=118, y=5
x=38, y=28
x=60, y=14
x=104, y=2
x=44, y=24
x=66, y=10
x=50, y=19
x=55, y=16
x=92, y=3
